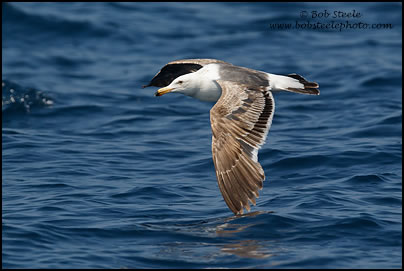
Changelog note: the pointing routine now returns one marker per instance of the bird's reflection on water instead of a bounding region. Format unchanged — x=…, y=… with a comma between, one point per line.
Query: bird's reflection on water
x=205, y=237
x=227, y=229
x=246, y=248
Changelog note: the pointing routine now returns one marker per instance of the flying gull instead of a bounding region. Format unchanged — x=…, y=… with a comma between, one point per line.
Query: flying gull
x=240, y=119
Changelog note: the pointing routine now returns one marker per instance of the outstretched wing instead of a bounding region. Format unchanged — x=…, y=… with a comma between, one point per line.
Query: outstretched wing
x=240, y=122
x=177, y=68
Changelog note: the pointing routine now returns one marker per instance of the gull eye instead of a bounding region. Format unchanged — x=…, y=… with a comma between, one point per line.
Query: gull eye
x=180, y=82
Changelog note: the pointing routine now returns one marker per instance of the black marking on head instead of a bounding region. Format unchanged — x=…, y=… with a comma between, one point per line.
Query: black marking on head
x=171, y=71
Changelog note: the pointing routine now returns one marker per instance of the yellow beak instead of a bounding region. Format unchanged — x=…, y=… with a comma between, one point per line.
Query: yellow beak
x=163, y=91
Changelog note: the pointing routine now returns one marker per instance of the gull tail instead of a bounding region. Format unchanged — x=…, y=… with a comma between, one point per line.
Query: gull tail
x=293, y=83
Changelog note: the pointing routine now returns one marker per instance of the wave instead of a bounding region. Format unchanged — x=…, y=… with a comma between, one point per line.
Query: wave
x=19, y=99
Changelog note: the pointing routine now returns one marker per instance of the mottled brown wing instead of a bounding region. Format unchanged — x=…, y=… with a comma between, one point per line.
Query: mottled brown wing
x=240, y=122
x=177, y=68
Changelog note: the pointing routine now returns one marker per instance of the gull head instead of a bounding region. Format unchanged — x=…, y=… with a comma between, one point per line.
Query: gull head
x=185, y=84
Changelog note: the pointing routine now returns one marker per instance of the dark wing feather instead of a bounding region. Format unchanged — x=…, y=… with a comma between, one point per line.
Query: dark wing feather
x=240, y=122
x=177, y=68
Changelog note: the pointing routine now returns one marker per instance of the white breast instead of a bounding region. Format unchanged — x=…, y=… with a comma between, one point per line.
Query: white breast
x=207, y=88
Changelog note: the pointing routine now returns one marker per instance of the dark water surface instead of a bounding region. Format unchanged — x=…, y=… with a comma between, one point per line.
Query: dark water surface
x=99, y=173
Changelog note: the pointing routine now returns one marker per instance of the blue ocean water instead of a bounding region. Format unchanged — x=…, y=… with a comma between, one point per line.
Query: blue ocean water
x=99, y=173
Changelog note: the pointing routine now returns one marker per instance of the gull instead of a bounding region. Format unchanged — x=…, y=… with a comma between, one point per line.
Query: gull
x=240, y=119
